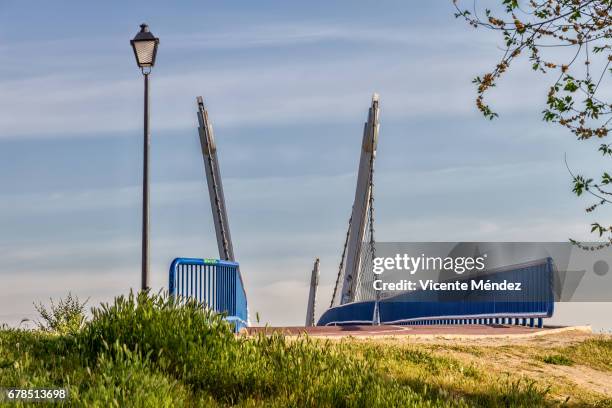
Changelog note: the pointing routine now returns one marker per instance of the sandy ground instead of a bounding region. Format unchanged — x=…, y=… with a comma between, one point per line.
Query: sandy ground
x=503, y=356
x=471, y=332
x=517, y=355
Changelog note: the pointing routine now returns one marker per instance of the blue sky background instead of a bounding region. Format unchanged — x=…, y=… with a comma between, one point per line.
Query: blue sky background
x=287, y=86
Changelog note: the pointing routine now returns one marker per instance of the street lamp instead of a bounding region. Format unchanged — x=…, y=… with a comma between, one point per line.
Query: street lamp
x=145, y=50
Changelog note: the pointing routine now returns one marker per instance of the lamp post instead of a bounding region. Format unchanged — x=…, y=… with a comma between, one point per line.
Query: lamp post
x=145, y=45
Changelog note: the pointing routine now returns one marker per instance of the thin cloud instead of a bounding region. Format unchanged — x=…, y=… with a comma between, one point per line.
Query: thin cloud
x=274, y=35
x=265, y=91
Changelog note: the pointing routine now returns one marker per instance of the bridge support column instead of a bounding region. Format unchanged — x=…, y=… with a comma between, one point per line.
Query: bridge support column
x=361, y=205
x=312, y=296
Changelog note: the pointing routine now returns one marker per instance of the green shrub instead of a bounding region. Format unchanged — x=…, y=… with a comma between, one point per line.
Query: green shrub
x=65, y=317
x=158, y=326
x=154, y=320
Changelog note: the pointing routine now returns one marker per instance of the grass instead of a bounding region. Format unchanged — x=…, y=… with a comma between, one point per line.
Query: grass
x=595, y=352
x=146, y=350
x=558, y=359
x=440, y=376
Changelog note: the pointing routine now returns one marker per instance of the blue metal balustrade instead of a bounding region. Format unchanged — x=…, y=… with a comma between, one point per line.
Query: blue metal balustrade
x=214, y=282
x=528, y=307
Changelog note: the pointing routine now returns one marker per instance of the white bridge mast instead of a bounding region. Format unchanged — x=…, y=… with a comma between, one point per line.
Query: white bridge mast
x=215, y=185
x=361, y=204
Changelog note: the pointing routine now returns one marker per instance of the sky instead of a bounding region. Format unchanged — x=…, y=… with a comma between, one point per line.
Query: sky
x=287, y=86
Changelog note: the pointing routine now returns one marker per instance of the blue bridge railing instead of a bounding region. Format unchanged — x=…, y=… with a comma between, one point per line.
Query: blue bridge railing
x=534, y=301
x=214, y=282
